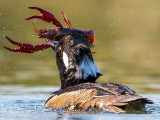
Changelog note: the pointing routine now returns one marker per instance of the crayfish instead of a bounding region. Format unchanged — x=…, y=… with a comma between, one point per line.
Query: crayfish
x=53, y=34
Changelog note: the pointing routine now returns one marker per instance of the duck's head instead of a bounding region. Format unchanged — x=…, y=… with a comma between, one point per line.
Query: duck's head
x=74, y=60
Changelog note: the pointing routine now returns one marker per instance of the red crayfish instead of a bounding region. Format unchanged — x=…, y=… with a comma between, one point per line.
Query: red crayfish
x=50, y=34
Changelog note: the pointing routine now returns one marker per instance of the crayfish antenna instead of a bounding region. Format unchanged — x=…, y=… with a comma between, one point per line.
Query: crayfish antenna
x=34, y=28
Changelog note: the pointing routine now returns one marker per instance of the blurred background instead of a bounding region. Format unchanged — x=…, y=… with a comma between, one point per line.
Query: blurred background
x=127, y=42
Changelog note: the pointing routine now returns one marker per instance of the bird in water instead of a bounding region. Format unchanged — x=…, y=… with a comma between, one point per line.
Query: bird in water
x=78, y=71
x=78, y=74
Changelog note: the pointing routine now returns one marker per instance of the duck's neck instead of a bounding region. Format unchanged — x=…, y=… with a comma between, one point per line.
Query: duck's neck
x=75, y=71
x=75, y=63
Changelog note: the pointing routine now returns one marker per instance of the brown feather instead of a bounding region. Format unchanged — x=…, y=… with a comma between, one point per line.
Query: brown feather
x=113, y=109
x=71, y=98
x=107, y=96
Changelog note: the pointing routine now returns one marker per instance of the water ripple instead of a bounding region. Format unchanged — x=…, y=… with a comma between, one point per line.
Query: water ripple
x=29, y=105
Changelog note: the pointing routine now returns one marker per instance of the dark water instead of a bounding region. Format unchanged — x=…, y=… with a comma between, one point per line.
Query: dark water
x=26, y=103
x=127, y=46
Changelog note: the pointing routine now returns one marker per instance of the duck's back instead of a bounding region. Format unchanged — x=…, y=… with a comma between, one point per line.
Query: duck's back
x=107, y=96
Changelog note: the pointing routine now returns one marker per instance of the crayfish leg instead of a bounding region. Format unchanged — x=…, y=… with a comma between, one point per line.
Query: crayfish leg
x=66, y=20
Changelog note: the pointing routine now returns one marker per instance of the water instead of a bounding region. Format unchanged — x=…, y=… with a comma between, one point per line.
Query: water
x=27, y=103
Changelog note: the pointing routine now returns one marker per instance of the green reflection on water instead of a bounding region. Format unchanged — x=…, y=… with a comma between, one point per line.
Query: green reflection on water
x=127, y=41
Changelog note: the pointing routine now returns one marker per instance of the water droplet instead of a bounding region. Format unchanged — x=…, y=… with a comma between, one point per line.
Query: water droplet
x=118, y=48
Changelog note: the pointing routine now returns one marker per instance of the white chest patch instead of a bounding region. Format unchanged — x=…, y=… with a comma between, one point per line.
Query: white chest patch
x=87, y=68
x=65, y=59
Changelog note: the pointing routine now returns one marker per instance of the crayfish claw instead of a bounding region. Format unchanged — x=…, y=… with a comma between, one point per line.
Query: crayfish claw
x=34, y=8
x=13, y=50
x=26, y=47
x=11, y=41
x=34, y=16
x=45, y=16
x=37, y=8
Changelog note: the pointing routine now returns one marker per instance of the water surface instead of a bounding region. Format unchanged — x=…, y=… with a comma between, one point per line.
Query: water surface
x=27, y=103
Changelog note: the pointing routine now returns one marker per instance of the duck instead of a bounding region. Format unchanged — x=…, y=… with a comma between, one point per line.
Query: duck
x=79, y=90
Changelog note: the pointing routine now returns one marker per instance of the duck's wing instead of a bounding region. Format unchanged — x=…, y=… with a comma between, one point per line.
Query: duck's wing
x=74, y=95
x=126, y=95
x=72, y=98
x=83, y=96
